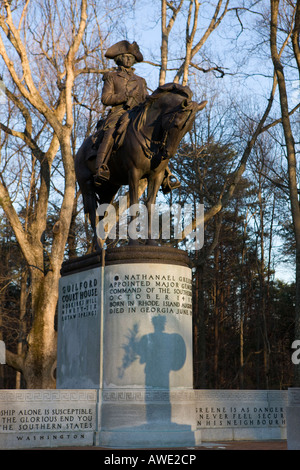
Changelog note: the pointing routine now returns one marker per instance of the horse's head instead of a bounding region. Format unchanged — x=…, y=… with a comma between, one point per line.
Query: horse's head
x=176, y=114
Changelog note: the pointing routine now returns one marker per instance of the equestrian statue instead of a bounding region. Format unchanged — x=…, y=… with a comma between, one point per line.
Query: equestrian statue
x=136, y=139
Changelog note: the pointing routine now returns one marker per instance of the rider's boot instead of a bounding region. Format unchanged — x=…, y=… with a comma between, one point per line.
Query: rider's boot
x=102, y=172
x=168, y=185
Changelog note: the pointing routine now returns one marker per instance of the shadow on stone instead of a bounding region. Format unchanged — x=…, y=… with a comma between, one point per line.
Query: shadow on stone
x=161, y=353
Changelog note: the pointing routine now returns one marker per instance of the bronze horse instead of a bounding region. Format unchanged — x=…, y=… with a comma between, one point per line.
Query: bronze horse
x=153, y=133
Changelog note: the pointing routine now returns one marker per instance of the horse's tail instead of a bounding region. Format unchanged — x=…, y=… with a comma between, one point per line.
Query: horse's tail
x=84, y=178
x=89, y=199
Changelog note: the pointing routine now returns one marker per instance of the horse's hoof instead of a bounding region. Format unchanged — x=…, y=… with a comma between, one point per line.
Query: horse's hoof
x=169, y=185
x=133, y=242
x=152, y=242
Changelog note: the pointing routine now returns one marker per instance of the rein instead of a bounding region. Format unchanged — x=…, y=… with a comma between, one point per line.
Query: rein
x=146, y=142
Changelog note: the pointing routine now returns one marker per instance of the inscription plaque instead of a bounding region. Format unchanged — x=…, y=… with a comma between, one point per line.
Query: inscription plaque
x=148, y=320
x=46, y=418
x=79, y=329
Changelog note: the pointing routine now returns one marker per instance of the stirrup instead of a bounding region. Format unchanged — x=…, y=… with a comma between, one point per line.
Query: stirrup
x=168, y=185
x=102, y=175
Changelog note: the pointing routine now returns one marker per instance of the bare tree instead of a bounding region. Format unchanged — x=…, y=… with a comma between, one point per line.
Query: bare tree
x=166, y=27
x=40, y=63
x=170, y=11
x=290, y=11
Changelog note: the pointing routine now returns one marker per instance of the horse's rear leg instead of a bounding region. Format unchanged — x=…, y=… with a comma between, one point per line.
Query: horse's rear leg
x=97, y=244
x=90, y=207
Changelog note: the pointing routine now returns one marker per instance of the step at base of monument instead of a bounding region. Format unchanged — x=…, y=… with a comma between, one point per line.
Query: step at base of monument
x=172, y=436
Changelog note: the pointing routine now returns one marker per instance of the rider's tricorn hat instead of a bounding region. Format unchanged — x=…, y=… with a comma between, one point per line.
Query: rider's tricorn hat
x=124, y=47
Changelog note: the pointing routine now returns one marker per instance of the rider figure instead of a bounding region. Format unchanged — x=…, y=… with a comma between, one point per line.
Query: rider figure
x=122, y=90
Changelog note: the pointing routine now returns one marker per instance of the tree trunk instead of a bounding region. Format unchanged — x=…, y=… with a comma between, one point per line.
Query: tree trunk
x=217, y=317
x=292, y=163
x=22, y=332
x=199, y=331
x=39, y=363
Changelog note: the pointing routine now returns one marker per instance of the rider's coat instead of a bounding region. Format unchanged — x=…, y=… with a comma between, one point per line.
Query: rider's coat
x=122, y=90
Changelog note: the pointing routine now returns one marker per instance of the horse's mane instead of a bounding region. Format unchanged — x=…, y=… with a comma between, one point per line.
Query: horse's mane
x=172, y=88
x=140, y=114
x=141, y=111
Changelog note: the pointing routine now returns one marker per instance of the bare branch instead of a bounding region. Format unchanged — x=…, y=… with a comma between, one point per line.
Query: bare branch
x=210, y=69
x=166, y=29
x=214, y=23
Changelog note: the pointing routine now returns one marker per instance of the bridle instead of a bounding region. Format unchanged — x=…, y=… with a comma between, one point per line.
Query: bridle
x=147, y=143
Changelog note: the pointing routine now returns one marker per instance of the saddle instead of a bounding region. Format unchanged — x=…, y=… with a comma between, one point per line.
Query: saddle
x=118, y=135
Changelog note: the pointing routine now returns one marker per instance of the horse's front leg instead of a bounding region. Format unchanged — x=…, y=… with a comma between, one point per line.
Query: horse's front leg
x=133, y=179
x=153, y=188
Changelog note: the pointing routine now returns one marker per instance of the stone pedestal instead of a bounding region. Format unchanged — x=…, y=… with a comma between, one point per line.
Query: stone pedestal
x=80, y=324
x=293, y=419
x=125, y=327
